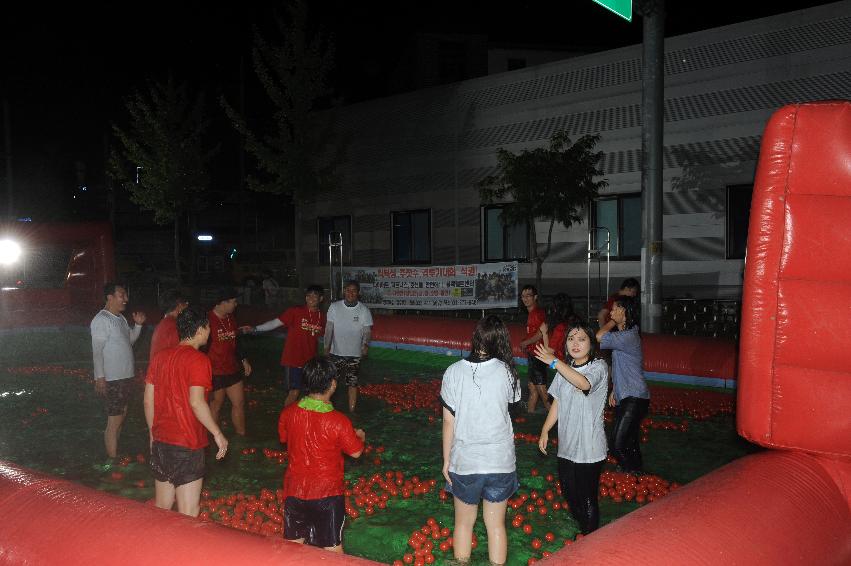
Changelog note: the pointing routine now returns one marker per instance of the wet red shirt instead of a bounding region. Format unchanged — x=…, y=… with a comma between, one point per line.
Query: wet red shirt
x=536, y=318
x=172, y=372
x=315, y=443
x=165, y=336
x=303, y=330
x=221, y=347
x=557, y=338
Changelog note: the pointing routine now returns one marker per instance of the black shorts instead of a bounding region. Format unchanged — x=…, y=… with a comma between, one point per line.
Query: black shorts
x=176, y=465
x=348, y=369
x=117, y=396
x=537, y=370
x=293, y=378
x=318, y=521
x=225, y=381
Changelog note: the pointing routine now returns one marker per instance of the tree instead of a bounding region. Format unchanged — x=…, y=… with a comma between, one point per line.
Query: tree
x=292, y=157
x=552, y=183
x=161, y=158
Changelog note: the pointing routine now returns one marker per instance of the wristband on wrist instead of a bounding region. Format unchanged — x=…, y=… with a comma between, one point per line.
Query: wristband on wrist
x=553, y=363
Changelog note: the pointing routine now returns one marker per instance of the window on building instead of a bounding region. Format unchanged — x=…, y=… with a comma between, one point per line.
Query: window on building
x=621, y=216
x=328, y=225
x=503, y=242
x=411, y=236
x=738, y=216
x=515, y=63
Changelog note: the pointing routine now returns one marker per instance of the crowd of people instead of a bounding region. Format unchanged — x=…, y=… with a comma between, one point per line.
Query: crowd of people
x=196, y=363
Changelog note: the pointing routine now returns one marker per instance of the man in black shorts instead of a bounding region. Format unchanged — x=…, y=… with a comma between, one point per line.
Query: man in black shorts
x=179, y=416
x=112, y=357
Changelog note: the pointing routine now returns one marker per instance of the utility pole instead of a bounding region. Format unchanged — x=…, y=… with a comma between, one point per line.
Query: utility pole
x=7, y=147
x=652, y=125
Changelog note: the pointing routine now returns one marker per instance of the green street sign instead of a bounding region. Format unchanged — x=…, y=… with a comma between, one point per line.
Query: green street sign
x=622, y=8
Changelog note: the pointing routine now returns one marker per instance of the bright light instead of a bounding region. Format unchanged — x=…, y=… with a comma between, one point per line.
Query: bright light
x=10, y=252
x=205, y=238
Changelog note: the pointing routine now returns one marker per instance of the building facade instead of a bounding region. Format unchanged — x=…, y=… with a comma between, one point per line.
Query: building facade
x=407, y=190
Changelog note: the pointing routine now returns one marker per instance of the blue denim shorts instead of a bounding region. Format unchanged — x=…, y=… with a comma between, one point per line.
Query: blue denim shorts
x=474, y=487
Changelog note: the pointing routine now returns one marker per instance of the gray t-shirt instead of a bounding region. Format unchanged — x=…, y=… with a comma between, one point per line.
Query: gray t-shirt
x=349, y=324
x=581, y=434
x=112, y=346
x=627, y=372
x=478, y=394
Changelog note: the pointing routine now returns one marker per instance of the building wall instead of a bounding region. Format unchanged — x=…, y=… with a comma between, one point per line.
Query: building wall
x=429, y=148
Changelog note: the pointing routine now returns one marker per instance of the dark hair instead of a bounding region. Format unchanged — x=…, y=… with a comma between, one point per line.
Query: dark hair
x=109, y=288
x=171, y=298
x=594, y=352
x=352, y=283
x=561, y=311
x=224, y=294
x=630, y=283
x=631, y=309
x=530, y=288
x=314, y=289
x=189, y=321
x=491, y=337
x=318, y=374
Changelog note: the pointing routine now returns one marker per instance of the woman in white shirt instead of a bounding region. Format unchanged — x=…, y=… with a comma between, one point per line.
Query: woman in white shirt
x=478, y=439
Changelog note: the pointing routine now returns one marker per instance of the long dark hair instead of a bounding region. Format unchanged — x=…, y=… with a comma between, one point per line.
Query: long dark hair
x=491, y=338
x=631, y=310
x=594, y=352
x=561, y=312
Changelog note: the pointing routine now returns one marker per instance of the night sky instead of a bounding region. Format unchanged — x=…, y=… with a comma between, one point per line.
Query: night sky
x=65, y=68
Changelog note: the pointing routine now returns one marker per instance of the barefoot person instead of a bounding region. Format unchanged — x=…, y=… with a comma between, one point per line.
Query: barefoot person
x=229, y=364
x=478, y=439
x=317, y=436
x=305, y=324
x=537, y=371
x=347, y=335
x=112, y=356
x=179, y=418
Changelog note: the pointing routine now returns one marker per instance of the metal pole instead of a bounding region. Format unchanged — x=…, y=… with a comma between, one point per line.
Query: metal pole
x=652, y=98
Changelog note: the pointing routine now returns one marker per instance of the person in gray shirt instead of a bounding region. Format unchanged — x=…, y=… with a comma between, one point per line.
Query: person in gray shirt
x=112, y=356
x=579, y=398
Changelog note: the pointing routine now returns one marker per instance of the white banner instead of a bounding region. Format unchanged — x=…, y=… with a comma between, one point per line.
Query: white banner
x=470, y=286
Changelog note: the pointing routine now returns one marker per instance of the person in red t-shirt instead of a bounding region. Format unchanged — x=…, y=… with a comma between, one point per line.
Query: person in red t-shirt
x=560, y=317
x=165, y=334
x=317, y=436
x=229, y=364
x=537, y=371
x=305, y=324
x=629, y=288
x=179, y=417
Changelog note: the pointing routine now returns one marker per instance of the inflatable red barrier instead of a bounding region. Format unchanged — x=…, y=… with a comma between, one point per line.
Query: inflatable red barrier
x=664, y=354
x=765, y=509
x=53, y=521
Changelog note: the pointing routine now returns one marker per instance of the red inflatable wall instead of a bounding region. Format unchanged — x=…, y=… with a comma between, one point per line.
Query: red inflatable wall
x=52, y=521
x=683, y=355
x=91, y=265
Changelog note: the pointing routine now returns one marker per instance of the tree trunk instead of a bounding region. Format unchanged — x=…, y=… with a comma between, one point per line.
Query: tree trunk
x=177, y=249
x=533, y=241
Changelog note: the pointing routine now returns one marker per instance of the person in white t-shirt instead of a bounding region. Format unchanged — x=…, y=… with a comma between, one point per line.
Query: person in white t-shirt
x=348, y=331
x=478, y=439
x=579, y=398
x=112, y=357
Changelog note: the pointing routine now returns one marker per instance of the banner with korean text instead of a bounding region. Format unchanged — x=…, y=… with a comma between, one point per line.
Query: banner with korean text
x=470, y=286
